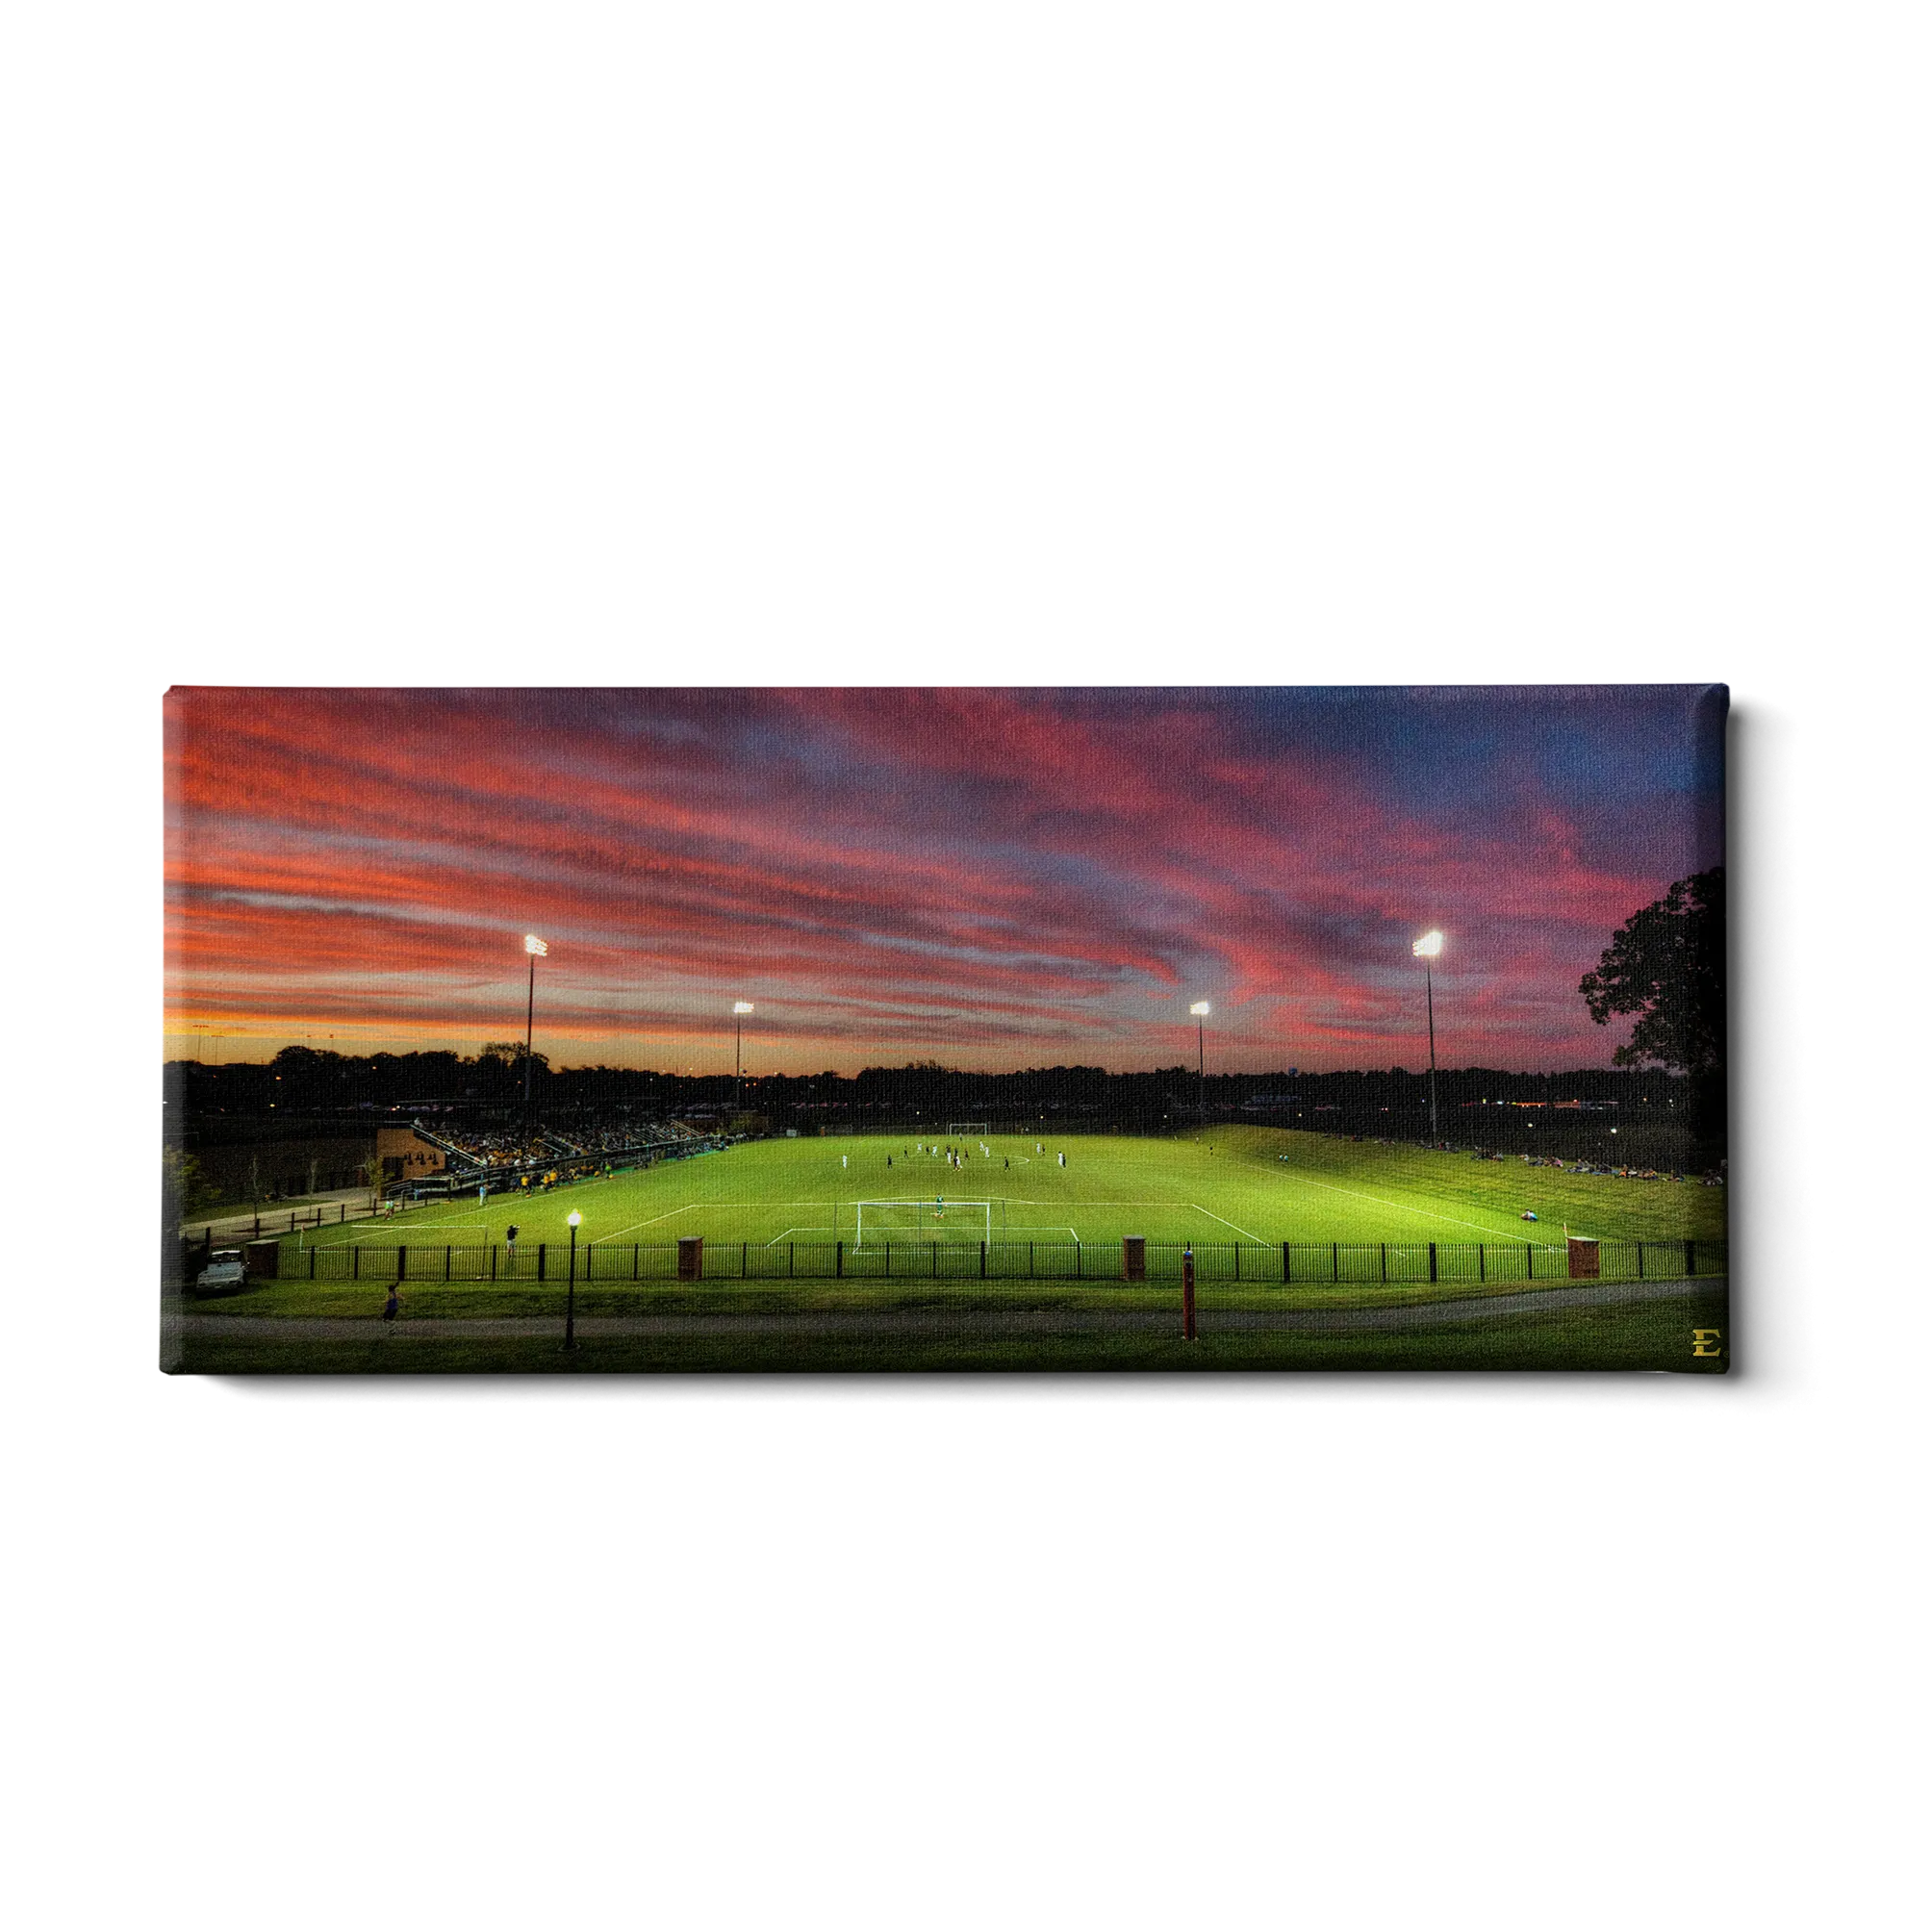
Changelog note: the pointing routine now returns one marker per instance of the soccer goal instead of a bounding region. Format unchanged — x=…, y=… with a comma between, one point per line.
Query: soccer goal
x=968, y=1129
x=926, y=1220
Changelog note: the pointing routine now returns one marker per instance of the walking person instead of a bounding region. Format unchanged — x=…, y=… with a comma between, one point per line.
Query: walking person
x=389, y=1307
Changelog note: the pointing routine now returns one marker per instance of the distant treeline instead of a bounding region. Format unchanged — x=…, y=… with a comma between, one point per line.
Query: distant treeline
x=302, y=1081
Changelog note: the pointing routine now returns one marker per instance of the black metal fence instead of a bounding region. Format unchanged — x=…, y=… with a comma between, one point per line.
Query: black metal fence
x=1263, y=1264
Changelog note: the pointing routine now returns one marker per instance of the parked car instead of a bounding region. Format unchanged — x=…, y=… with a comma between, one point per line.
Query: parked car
x=224, y=1270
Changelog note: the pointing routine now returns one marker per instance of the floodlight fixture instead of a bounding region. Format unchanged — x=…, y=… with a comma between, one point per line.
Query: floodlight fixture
x=739, y=1008
x=537, y=949
x=1201, y=1009
x=1429, y=947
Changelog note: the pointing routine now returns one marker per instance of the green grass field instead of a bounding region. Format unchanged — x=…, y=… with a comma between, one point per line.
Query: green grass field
x=1230, y=1184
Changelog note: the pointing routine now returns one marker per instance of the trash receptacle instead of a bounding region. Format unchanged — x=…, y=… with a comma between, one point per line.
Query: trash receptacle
x=690, y=1258
x=1133, y=1257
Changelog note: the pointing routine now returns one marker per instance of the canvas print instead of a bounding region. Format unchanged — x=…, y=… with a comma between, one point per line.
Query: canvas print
x=579, y=1032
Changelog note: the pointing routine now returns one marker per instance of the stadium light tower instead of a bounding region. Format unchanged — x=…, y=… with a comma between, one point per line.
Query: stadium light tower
x=739, y=1008
x=1427, y=948
x=1201, y=1009
x=536, y=948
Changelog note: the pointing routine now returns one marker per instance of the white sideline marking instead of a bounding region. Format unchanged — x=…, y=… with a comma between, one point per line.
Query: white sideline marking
x=653, y=1222
x=1428, y=1215
x=776, y=1239
x=1222, y=1218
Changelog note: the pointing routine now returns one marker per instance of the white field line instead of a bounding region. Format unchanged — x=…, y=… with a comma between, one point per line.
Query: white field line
x=651, y=1223
x=789, y=1231
x=1222, y=1218
x=1427, y=1213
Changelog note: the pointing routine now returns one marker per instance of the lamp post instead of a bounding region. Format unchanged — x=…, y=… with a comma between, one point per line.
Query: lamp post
x=739, y=1009
x=1201, y=1009
x=1427, y=948
x=571, y=1293
x=536, y=948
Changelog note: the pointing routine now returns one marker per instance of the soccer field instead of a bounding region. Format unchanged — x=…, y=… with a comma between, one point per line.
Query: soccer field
x=1227, y=1184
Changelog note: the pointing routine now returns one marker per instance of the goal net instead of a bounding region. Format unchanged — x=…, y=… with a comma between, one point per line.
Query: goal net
x=964, y=1130
x=926, y=1220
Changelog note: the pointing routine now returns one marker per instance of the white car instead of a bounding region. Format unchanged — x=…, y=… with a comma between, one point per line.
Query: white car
x=223, y=1271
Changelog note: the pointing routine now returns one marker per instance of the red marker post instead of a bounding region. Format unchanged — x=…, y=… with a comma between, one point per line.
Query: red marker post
x=1187, y=1295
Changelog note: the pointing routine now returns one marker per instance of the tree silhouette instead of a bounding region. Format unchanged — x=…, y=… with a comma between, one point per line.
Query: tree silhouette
x=1665, y=965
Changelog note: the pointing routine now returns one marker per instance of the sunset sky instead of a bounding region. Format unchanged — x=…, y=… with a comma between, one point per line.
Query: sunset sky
x=992, y=878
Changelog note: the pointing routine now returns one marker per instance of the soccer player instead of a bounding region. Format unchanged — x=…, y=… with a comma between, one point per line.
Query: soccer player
x=845, y=1161
x=1063, y=1160
x=939, y=1209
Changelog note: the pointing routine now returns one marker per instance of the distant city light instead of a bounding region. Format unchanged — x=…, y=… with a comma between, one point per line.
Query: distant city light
x=533, y=945
x=1429, y=945
x=1200, y=1006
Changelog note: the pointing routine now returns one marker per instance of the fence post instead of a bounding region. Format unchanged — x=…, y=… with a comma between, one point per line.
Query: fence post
x=355, y=1260
x=791, y=1258
x=313, y=1252
x=540, y=1245
x=1530, y=1259
x=1639, y=1260
x=1237, y=1260
x=1385, y=1261
x=744, y=1261
x=983, y=1260
x=1336, y=1260
x=1482, y=1262
x=402, y=1263
x=1287, y=1266
x=1432, y=1260
x=838, y=1258
x=449, y=1255
x=492, y=1261
x=1030, y=1261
